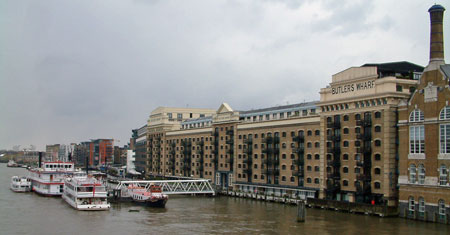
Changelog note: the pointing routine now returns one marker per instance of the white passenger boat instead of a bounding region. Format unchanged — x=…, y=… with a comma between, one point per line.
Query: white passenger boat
x=152, y=196
x=20, y=184
x=12, y=163
x=48, y=180
x=84, y=192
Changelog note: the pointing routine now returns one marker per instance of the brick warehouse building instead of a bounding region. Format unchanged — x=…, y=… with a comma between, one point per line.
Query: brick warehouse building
x=424, y=130
x=349, y=146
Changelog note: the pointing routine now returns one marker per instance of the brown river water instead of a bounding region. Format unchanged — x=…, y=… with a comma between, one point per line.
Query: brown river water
x=28, y=213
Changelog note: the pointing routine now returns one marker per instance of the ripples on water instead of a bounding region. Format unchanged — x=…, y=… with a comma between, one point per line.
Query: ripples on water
x=28, y=213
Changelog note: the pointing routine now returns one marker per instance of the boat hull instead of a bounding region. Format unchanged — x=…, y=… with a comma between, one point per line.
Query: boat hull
x=87, y=207
x=160, y=203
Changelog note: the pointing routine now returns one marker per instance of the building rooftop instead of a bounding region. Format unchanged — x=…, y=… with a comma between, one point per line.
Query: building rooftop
x=299, y=106
x=390, y=69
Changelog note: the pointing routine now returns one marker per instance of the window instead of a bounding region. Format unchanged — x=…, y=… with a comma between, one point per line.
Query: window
x=309, y=156
x=317, y=132
x=421, y=205
x=345, y=130
x=412, y=173
x=377, y=157
x=377, y=185
x=443, y=175
x=377, y=128
x=316, y=180
x=421, y=174
x=309, y=145
x=399, y=88
x=377, y=171
x=441, y=205
x=292, y=178
x=378, y=143
x=416, y=116
x=309, y=168
x=283, y=178
x=417, y=139
x=345, y=118
x=317, y=157
x=444, y=138
x=345, y=182
x=309, y=133
x=411, y=204
x=317, y=145
x=445, y=113
x=345, y=144
x=345, y=169
x=317, y=168
x=377, y=114
x=308, y=180
x=345, y=157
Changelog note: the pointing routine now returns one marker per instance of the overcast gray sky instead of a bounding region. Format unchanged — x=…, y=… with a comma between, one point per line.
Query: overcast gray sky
x=71, y=71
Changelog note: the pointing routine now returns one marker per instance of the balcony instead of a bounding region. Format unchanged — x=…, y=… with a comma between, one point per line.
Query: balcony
x=248, y=161
x=363, y=177
x=230, y=141
x=299, y=138
x=186, y=167
x=298, y=173
x=230, y=132
x=367, y=122
x=299, y=162
x=215, y=160
x=248, y=171
x=335, y=150
x=248, y=141
x=248, y=151
x=333, y=175
x=364, y=149
x=333, y=187
x=215, y=151
x=271, y=161
x=200, y=160
x=334, y=138
x=230, y=161
x=172, y=152
x=299, y=150
x=273, y=171
x=267, y=151
x=365, y=136
x=200, y=151
x=230, y=151
x=200, y=168
x=334, y=163
x=334, y=125
x=187, y=152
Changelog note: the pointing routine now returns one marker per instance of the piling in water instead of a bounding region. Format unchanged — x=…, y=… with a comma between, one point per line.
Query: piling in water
x=301, y=211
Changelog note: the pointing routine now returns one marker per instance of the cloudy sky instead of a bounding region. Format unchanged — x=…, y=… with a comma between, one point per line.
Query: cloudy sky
x=71, y=71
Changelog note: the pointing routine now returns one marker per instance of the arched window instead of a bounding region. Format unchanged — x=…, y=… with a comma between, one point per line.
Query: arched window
x=412, y=173
x=417, y=139
x=411, y=205
x=283, y=178
x=377, y=185
x=421, y=174
x=421, y=205
x=345, y=183
x=345, y=169
x=292, y=179
x=308, y=180
x=445, y=113
x=444, y=134
x=416, y=116
x=283, y=167
x=441, y=205
x=316, y=180
x=443, y=175
x=377, y=171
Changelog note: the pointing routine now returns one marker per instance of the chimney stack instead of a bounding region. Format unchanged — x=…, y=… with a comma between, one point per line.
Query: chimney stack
x=436, y=34
x=40, y=160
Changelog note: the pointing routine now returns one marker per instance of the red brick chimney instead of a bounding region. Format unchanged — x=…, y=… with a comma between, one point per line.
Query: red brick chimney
x=436, y=34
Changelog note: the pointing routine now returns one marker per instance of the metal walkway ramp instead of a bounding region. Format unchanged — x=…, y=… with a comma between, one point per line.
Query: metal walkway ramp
x=170, y=186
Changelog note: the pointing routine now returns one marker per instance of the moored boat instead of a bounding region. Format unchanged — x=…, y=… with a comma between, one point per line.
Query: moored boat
x=48, y=180
x=152, y=196
x=12, y=163
x=84, y=192
x=20, y=184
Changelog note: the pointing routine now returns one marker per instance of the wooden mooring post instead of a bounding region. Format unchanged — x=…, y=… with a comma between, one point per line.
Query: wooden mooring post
x=301, y=211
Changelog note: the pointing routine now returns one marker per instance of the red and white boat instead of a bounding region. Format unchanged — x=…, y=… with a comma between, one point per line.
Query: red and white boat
x=48, y=180
x=152, y=196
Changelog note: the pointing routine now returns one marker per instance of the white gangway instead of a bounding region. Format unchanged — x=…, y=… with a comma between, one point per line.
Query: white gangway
x=199, y=186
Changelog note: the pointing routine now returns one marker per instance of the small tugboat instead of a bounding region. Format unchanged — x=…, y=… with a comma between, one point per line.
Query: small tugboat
x=20, y=184
x=85, y=193
x=153, y=196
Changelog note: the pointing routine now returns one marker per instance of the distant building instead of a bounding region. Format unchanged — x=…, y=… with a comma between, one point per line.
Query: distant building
x=139, y=143
x=101, y=152
x=52, y=152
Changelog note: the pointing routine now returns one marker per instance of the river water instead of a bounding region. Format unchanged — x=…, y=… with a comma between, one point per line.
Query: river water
x=28, y=213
